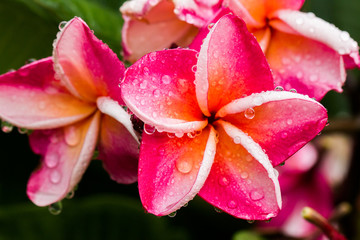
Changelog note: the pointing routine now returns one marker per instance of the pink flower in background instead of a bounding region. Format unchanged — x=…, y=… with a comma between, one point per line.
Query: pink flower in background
x=220, y=126
x=152, y=25
x=307, y=181
x=305, y=53
x=71, y=100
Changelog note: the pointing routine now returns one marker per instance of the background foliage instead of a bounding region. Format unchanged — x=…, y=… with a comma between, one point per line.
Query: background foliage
x=102, y=209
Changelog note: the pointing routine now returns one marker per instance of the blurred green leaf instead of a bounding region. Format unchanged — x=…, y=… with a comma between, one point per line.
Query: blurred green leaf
x=102, y=217
x=247, y=235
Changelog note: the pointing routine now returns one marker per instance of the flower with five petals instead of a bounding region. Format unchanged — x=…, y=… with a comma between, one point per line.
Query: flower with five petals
x=71, y=100
x=220, y=126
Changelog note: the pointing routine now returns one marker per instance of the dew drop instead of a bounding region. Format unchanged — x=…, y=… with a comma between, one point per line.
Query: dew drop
x=148, y=129
x=55, y=176
x=72, y=136
x=251, y=221
x=166, y=79
x=232, y=204
x=179, y=134
x=210, y=26
x=173, y=214
x=194, y=68
x=22, y=130
x=171, y=135
x=249, y=113
x=70, y=194
x=218, y=210
x=237, y=140
x=299, y=21
x=223, y=181
x=146, y=70
x=293, y=90
x=284, y=135
x=344, y=36
x=52, y=159
x=62, y=25
x=257, y=195
x=279, y=88
x=156, y=93
x=186, y=204
x=55, y=208
x=244, y=175
x=289, y=121
x=6, y=127
x=184, y=165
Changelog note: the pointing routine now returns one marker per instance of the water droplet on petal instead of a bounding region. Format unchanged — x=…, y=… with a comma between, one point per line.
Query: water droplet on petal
x=251, y=221
x=284, y=135
x=72, y=135
x=293, y=90
x=55, y=176
x=148, y=129
x=156, y=93
x=223, y=181
x=289, y=121
x=249, y=113
x=244, y=175
x=186, y=204
x=6, y=127
x=194, y=68
x=22, y=130
x=166, y=79
x=70, y=194
x=184, y=165
x=232, y=204
x=62, y=25
x=52, y=159
x=173, y=214
x=344, y=36
x=279, y=88
x=55, y=208
x=210, y=25
x=218, y=210
x=257, y=195
x=237, y=140
x=143, y=84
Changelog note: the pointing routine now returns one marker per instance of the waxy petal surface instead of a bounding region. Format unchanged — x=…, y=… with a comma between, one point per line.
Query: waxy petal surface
x=280, y=122
x=31, y=98
x=307, y=25
x=118, y=143
x=85, y=65
x=153, y=28
x=66, y=153
x=242, y=181
x=172, y=170
x=231, y=68
x=308, y=66
x=160, y=90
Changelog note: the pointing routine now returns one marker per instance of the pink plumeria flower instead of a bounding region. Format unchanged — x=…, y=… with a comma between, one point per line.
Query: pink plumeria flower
x=305, y=53
x=152, y=25
x=220, y=127
x=72, y=101
x=302, y=185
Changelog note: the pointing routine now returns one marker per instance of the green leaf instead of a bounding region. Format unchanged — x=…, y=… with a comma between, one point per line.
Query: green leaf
x=247, y=235
x=101, y=217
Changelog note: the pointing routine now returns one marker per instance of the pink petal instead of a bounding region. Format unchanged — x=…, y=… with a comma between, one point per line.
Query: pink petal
x=66, y=153
x=159, y=89
x=311, y=192
x=196, y=12
x=85, y=65
x=230, y=67
x=309, y=26
x=151, y=26
x=118, y=144
x=280, y=122
x=242, y=181
x=305, y=65
x=32, y=98
x=274, y=5
x=172, y=170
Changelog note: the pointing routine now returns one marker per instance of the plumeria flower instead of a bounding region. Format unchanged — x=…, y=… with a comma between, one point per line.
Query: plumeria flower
x=157, y=24
x=220, y=126
x=302, y=185
x=71, y=100
x=305, y=53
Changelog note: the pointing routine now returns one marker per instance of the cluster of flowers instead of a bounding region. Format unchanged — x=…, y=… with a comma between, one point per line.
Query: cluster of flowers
x=218, y=115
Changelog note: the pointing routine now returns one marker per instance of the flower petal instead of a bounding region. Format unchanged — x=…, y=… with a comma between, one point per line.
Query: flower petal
x=159, y=89
x=230, y=67
x=242, y=181
x=309, y=26
x=151, y=26
x=66, y=153
x=172, y=170
x=118, y=144
x=305, y=65
x=280, y=122
x=274, y=5
x=31, y=98
x=85, y=65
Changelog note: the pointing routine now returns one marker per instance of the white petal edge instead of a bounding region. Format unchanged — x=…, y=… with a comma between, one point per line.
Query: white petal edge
x=257, y=99
x=138, y=7
x=112, y=108
x=259, y=155
x=310, y=26
x=206, y=164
